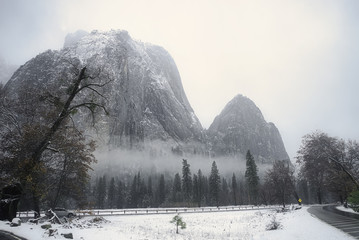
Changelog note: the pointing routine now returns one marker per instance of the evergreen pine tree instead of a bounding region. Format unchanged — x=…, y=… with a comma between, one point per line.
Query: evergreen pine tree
x=177, y=189
x=177, y=220
x=150, y=191
x=161, y=190
x=234, y=189
x=224, y=193
x=111, y=194
x=101, y=192
x=120, y=200
x=214, y=184
x=186, y=180
x=201, y=187
x=241, y=192
x=196, y=196
x=134, y=192
x=206, y=194
x=252, y=178
x=142, y=194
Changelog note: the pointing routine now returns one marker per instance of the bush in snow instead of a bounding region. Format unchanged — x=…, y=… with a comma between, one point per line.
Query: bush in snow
x=177, y=220
x=353, y=200
x=274, y=224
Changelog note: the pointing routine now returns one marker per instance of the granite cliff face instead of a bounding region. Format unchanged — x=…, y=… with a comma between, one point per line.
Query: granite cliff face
x=146, y=100
x=241, y=127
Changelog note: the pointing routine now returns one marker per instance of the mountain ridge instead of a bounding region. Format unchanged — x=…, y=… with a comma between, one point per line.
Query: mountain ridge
x=146, y=98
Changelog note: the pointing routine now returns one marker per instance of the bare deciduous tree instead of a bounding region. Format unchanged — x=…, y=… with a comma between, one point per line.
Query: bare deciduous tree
x=40, y=139
x=280, y=180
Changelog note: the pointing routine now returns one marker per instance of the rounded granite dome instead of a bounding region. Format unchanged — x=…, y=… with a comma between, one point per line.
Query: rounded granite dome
x=241, y=127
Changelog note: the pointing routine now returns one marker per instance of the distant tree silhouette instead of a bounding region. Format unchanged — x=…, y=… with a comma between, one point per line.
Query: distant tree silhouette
x=214, y=184
x=252, y=178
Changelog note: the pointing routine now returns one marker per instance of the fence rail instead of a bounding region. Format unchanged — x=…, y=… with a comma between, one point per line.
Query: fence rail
x=147, y=211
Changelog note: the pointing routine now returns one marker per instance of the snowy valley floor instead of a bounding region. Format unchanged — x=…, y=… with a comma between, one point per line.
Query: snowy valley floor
x=297, y=224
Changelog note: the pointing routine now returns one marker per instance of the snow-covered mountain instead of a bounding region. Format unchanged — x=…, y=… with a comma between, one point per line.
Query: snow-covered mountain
x=146, y=99
x=241, y=127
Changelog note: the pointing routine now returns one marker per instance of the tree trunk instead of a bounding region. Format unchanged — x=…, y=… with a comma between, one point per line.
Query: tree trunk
x=283, y=200
x=64, y=113
x=59, y=186
x=36, y=156
x=341, y=199
x=319, y=196
x=36, y=203
x=235, y=198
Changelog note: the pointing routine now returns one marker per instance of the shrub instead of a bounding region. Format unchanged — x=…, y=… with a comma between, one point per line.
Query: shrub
x=177, y=220
x=353, y=200
x=274, y=224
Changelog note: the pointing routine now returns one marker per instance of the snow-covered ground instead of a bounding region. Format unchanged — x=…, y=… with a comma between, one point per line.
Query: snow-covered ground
x=342, y=208
x=252, y=224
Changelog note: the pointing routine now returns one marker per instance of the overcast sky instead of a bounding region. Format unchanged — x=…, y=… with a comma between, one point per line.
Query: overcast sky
x=297, y=60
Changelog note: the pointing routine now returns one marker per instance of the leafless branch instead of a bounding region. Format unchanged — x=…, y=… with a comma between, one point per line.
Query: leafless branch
x=355, y=181
x=52, y=149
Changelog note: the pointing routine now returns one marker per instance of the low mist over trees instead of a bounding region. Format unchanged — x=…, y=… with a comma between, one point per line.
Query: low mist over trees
x=328, y=170
x=166, y=192
x=211, y=190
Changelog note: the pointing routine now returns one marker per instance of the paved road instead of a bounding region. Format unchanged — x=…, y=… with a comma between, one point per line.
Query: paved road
x=9, y=236
x=343, y=221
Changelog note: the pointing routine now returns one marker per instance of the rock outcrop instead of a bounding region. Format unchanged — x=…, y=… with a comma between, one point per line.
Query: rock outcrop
x=241, y=127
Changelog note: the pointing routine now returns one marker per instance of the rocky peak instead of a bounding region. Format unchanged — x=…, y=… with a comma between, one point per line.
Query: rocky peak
x=241, y=127
x=73, y=38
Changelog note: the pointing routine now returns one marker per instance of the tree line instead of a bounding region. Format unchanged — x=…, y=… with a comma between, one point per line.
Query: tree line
x=327, y=171
x=194, y=190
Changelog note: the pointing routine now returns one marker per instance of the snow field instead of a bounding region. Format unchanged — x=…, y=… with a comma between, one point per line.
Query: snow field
x=298, y=224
